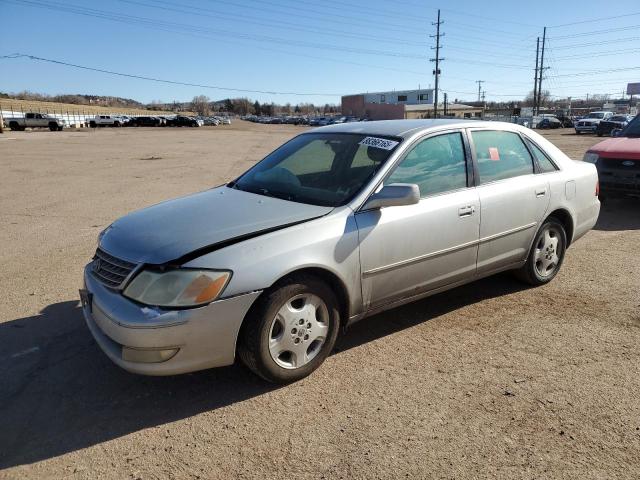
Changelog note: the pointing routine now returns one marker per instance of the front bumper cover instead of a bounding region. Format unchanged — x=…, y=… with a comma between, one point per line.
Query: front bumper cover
x=205, y=337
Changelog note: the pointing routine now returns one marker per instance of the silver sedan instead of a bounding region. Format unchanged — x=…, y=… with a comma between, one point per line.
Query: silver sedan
x=339, y=223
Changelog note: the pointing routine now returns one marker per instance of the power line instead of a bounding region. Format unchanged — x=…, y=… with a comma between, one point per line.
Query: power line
x=601, y=19
x=172, y=82
x=597, y=32
x=129, y=19
x=602, y=42
x=244, y=19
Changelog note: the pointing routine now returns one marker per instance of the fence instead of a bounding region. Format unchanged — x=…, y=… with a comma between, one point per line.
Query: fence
x=73, y=114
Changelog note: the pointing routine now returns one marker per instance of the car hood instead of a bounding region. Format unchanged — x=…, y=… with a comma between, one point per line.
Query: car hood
x=619, y=147
x=176, y=228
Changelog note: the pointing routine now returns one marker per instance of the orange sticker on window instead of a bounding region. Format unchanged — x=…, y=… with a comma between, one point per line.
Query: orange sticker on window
x=494, y=154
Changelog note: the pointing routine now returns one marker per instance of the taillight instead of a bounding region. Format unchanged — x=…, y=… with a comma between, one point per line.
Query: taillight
x=597, y=188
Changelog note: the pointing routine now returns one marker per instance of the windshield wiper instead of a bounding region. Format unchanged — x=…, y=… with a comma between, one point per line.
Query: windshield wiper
x=265, y=191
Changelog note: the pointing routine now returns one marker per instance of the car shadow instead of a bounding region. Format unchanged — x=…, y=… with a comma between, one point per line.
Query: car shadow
x=60, y=393
x=619, y=214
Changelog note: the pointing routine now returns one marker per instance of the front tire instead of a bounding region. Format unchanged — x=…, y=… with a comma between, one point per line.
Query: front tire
x=290, y=330
x=546, y=255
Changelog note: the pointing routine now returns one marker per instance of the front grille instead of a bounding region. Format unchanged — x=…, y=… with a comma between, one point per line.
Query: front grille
x=618, y=163
x=110, y=270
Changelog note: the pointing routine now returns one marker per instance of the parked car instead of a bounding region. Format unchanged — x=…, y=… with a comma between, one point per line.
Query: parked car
x=616, y=122
x=618, y=162
x=182, y=121
x=338, y=224
x=105, y=121
x=589, y=124
x=35, y=120
x=225, y=121
x=146, y=122
x=549, y=122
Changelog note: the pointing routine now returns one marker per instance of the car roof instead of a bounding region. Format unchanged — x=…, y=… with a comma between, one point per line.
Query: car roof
x=407, y=128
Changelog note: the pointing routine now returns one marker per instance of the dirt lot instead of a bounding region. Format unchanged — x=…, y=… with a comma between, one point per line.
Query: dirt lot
x=492, y=380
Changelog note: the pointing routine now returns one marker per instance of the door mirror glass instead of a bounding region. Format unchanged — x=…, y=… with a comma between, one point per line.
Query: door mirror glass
x=394, y=195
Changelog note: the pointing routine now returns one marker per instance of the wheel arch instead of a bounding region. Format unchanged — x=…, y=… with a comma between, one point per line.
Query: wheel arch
x=565, y=218
x=333, y=281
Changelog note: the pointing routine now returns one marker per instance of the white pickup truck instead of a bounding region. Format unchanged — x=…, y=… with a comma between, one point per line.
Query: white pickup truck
x=106, y=121
x=35, y=120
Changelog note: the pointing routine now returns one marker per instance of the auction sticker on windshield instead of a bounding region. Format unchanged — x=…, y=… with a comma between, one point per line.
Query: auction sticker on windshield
x=379, y=143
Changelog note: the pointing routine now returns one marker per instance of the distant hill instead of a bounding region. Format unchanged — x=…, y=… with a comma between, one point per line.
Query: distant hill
x=76, y=99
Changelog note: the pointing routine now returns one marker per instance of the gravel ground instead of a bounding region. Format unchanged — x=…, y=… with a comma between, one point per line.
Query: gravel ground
x=491, y=380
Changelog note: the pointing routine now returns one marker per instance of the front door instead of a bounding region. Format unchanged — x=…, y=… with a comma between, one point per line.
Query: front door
x=407, y=250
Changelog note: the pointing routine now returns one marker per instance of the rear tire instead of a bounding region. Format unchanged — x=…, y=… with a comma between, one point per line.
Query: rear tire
x=546, y=255
x=290, y=330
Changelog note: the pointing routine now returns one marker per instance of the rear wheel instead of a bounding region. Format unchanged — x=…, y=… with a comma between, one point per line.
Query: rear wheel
x=53, y=127
x=291, y=330
x=546, y=255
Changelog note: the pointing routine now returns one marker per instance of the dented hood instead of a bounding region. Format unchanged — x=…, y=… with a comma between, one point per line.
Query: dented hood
x=177, y=228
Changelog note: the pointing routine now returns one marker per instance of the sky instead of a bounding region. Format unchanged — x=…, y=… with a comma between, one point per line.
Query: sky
x=301, y=51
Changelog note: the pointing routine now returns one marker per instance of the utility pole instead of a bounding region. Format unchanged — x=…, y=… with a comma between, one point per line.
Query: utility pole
x=484, y=105
x=445, y=104
x=437, y=60
x=535, y=78
x=544, y=41
x=479, y=82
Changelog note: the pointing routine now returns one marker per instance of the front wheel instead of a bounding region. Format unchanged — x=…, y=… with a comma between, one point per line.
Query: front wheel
x=291, y=330
x=546, y=255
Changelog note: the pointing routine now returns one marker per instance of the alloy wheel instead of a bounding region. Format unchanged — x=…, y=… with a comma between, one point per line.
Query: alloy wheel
x=298, y=331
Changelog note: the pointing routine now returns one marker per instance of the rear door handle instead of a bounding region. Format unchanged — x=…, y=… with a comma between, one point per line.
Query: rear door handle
x=541, y=192
x=466, y=211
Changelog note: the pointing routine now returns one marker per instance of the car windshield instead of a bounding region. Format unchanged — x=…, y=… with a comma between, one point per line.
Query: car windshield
x=325, y=169
x=595, y=115
x=632, y=129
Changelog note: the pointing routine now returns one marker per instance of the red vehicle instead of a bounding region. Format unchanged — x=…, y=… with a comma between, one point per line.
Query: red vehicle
x=617, y=160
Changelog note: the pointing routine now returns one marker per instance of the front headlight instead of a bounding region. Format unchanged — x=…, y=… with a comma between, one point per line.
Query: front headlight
x=177, y=288
x=590, y=157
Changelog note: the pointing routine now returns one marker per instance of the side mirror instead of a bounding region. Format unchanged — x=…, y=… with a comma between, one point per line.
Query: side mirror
x=394, y=195
x=616, y=132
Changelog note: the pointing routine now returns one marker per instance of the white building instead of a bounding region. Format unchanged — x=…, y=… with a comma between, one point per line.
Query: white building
x=403, y=97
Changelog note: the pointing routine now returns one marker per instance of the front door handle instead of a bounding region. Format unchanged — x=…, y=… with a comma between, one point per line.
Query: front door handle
x=541, y=192
x=466, y=211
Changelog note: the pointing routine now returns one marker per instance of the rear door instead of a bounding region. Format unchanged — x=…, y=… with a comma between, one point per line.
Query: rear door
x=513, y=198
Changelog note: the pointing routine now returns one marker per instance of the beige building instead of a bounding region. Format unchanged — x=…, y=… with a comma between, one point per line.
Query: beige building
x=361, y=106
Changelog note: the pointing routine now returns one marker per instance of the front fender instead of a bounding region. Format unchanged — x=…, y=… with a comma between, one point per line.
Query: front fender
x=329, y=243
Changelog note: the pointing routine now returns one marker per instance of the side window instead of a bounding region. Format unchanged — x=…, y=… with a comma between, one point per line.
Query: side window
x=544, y=163
x=501, y=155
x=436, y=165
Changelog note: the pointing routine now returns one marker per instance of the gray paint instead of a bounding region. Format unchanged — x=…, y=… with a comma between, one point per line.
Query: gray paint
x=382, y=257
x=174, y=228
